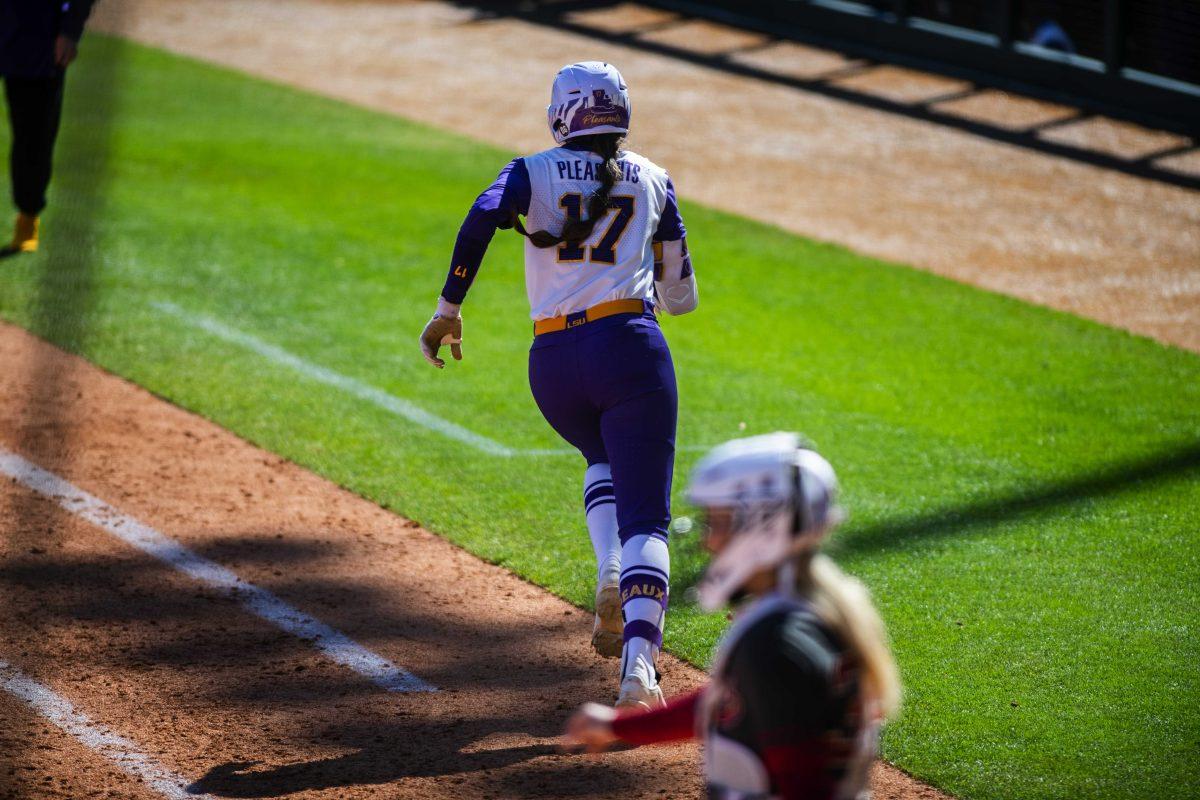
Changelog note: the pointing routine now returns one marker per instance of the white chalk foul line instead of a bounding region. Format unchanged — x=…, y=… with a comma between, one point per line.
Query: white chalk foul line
x=371, y=394
x=334, y=644
x=121, y=751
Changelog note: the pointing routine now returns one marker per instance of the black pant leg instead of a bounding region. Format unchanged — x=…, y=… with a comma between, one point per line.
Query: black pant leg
x=34, y=108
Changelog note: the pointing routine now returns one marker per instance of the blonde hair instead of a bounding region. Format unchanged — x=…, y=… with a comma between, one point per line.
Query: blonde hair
x=844, y=603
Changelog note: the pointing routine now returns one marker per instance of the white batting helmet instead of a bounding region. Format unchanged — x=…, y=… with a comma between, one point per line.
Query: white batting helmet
x=784, y=500
x=588, y=97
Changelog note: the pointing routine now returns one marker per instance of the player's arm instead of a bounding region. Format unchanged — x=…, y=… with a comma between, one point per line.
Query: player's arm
x=595, y=727
x=70, y=30
x=74, y=16
x=495, y=208
x=674, y=278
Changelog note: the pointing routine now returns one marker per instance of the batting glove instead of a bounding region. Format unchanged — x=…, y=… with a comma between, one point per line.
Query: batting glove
x=444, y=328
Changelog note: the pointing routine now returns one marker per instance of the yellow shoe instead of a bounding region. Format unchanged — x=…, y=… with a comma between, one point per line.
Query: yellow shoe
x=25, y=236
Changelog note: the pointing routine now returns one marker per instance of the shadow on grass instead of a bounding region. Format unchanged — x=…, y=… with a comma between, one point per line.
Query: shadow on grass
x=66, y=283
x=65, y=287
x=563, y=15
x=1110, y=479
x=1120, y=476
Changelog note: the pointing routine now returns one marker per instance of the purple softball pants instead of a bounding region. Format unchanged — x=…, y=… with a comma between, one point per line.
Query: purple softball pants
x=608, y=388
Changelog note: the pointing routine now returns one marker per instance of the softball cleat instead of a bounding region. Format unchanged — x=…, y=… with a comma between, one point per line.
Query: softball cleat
x=25, y=236
x=636, y=695
x=608, y=629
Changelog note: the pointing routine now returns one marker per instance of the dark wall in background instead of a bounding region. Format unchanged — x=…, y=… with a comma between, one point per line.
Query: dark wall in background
x=1163, y=37
x=1139, y=59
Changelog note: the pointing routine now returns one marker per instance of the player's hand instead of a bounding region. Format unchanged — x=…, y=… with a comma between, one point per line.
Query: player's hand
x=439, y=331
x=590, y=729
x=65, y=50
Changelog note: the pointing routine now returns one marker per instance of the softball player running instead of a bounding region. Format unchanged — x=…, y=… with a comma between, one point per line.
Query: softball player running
x=607, y=249
x=803, y=677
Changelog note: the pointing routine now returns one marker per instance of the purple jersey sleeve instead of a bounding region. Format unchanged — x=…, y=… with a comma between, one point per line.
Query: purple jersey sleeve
x=670, y=225
x=495, y=208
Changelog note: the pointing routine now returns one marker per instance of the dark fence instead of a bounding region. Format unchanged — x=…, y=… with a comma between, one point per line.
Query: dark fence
x=1137, y=58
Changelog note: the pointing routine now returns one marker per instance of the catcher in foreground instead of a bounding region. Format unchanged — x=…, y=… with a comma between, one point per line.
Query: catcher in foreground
x=803, y=678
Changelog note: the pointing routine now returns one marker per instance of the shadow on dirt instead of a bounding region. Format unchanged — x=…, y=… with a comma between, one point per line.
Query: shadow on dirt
x=400, y=752
x=154, y=615
x=566, y=16
x=296, y=721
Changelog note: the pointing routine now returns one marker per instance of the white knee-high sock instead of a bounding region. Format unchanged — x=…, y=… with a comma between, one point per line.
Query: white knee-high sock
x=645, y=573
x=600, y=509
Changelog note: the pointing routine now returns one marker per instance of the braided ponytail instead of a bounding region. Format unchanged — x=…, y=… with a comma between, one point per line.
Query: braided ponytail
x=574, y=231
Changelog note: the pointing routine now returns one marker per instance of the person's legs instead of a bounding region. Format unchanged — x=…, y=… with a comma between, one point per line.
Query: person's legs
x=554, y=379
x=34, y=109
x=600, y=506
x=601, y=512
x=639, y=437
x=555, y=382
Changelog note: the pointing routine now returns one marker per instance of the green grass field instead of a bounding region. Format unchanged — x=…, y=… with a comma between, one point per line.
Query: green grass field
x=1024, y=486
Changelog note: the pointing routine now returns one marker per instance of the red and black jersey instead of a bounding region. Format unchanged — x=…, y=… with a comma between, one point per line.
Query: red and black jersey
x=783, y=716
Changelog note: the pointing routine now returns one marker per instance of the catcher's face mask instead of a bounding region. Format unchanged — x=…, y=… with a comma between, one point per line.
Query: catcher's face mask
x=716, y=528
x=765, y=498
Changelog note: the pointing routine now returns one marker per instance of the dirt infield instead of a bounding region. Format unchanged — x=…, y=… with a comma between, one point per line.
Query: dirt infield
x=237, y=706
x=1119, y=249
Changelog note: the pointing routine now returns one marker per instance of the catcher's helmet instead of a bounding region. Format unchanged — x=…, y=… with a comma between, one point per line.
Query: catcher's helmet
x=783, y=499
x=588, y=97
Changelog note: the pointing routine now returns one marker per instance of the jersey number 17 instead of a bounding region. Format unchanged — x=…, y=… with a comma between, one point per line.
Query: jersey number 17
x=605, y=250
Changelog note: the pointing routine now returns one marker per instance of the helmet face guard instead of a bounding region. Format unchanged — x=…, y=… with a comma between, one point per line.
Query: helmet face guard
x=753, y=545
x=588, y=97
x=784, y=501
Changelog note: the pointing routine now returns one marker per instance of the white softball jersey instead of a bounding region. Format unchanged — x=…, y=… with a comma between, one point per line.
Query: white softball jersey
x=617, y=260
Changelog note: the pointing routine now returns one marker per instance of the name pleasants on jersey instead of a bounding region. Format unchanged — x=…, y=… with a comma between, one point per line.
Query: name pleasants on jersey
x=617, y=260
x=578, y=170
